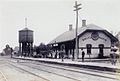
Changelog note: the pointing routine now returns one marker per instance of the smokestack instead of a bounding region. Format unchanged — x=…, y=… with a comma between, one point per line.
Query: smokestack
x=70, y=27
x=83, y=23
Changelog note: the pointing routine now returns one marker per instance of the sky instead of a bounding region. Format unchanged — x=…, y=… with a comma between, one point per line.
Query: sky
x=50, y=18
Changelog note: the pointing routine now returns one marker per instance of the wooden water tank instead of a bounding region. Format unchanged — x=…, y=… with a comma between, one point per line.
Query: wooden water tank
x=26, y=35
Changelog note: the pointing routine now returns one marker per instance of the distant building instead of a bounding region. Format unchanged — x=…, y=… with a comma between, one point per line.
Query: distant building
x=92, y=39
x=118, y=36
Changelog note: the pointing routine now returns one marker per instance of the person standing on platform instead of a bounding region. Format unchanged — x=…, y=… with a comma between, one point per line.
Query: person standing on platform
x=83, y=55
x=62, y=52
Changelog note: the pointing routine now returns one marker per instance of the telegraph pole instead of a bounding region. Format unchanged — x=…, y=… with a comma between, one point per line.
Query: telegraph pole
x=76, y=46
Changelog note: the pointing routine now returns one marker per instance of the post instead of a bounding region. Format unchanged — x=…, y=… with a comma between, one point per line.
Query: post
x=20, y=49
x=76, y=39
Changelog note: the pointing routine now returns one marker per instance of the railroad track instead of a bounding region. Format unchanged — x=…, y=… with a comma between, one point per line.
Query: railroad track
x=69, y=70
x=73, y=79
x=38, y=64
x=28, y=72
x=64, y=67
x=3, y=76
x=105, y=72
x=79, y=71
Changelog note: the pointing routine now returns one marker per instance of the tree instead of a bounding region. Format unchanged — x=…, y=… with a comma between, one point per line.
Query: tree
x=118, y=37
x=8, y=50
x=42, y=50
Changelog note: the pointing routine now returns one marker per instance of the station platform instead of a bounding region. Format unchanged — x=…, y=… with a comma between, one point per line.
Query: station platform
x=96, y=64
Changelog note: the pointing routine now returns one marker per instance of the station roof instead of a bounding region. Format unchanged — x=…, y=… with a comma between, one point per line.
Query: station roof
x=70, y=35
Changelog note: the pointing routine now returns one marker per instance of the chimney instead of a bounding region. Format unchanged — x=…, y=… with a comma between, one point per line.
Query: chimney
x=70, y=27
x=83, y=23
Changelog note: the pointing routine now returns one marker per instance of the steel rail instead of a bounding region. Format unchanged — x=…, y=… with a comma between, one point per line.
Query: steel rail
x=74, y=71
x=51, y=72
x=4, y=76
x=67, y=70
x=43, y=71
x=77, y=71
x=29, y=72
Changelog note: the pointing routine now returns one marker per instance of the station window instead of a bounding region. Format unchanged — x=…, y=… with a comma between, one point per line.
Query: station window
x=89, y=46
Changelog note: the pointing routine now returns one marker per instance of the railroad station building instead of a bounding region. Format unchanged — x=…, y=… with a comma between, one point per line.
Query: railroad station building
x=92, y=39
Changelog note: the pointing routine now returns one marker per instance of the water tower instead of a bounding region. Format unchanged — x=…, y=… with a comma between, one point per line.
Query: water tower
x=25, y=41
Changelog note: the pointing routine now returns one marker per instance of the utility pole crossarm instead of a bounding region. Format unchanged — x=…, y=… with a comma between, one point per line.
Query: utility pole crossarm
x=77, y=9
x=76, y=5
